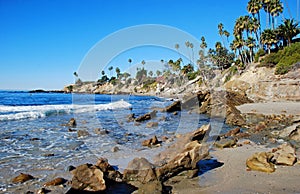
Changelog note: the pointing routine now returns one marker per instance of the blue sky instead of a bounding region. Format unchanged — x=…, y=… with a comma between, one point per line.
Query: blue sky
x=42, y=42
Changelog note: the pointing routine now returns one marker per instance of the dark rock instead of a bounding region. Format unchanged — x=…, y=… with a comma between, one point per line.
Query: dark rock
x=43, y=191
x=261, y=162
x=81, y=133
x=35, y=139
x=88, y=178
x=72, y=123
x=56, y=182
x=22, y=178
x=71, y=130
x=146, y=116
x=48, y=155
x=150, y=142
x=151, y=124
x=175, y=106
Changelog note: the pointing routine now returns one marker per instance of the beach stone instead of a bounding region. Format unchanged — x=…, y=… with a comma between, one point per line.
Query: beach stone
x=130, y=117
x=55, y=182
x=139, y=171
x=72, y=123
x=151, y=124
x=285, y=154
x=115, y=149
x=261, y=162
x=150, y=142
x=21, y=178
x=88, y=178
x=100, y=131
x=81, y=133
x=109, y=172
x=225, y=143
x=175, y=106
x=233, y=132
x=146, y=116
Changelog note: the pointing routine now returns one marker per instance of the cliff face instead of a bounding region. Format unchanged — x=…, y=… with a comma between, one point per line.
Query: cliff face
x=261, y=84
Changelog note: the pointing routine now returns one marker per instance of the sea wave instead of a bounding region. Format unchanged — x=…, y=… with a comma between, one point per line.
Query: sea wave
x=9, y=113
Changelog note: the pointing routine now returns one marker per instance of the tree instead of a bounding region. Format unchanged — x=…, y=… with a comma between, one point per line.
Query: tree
x=143, y=62
x=75, y=74
x=220, y=56
x=268, y=38
x=250, y=42
x=102, y=72
x=288, y=30
x=227, y=34
x=221, y=32
x=150, y=73
x=158, y=73
x=276, y=9
x=254, y=7
x=118, y=71
x=203, y=44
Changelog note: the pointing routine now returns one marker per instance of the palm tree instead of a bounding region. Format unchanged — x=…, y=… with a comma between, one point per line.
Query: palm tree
x=254, y=7
x=238, y=44
x=275, y=10
x=150, y=73
x=227, y=34
x=143, y=62
x=158, y=73
x=288, y=30
x=203, y=44
x=75, y=74
x=268, y=38
x=118, y=71
x=221, y=32
x=250, y=43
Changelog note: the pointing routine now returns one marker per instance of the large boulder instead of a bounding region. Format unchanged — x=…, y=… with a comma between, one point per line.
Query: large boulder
x=150, y=142
x=295, y=134
x=139, y=171
x=285, y=154
x=261, y=162
x=187, y=159
x=88, y=178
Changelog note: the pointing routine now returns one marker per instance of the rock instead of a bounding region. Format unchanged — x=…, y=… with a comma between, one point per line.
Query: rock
x=186, y=159
x=261, y=162
x=115, y=149
x=175, y=113
x=225, y=143
x=130, y=117
x=21, y=178
x=295, y=134
x=175, y=106
x=150, y=142
x=71, y=130
x=56, y=182
x=43, y=191
x=81, y=133
x=176, y=148
x=100, y=131
x=88, y=178
x=151, y=124
x=72, y=123
x=164, y=138
x=139, y=171
x=153, y=187
x=285, y=154
x=233, y=132
x=109, y=172
x=146, y=116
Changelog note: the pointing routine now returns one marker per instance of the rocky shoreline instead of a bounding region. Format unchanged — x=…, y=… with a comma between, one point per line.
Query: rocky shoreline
x=272, y=136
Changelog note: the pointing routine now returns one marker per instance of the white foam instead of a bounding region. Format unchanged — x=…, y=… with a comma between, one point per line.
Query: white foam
x=8, y=113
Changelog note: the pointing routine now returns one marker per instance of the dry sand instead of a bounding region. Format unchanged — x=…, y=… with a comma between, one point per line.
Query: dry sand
x=288, y=108
x=233, y=176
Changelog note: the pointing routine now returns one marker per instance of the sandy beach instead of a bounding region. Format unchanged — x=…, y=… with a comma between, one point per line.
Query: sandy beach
x=233, y=176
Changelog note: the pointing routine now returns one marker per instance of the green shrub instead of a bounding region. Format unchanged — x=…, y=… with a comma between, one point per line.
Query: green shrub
x=259, y=53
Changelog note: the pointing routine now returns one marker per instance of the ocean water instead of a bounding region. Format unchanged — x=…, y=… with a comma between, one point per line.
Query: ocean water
x=35, y=140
